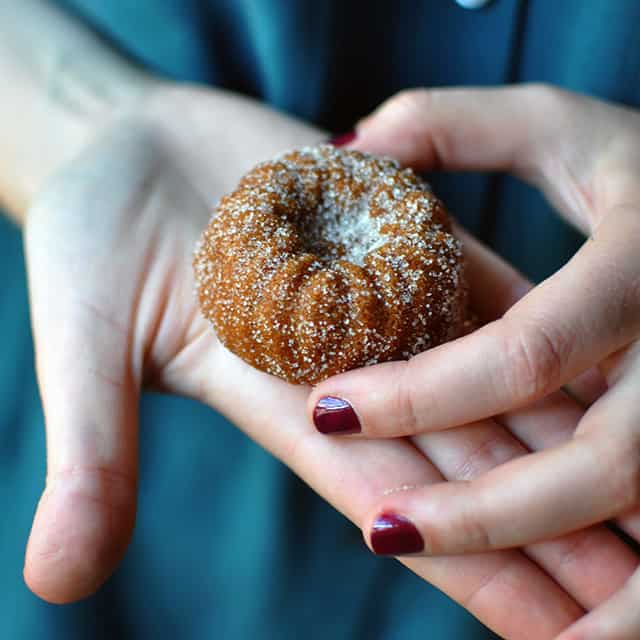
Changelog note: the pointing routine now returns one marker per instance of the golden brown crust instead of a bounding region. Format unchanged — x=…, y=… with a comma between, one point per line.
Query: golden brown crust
x=325, y=260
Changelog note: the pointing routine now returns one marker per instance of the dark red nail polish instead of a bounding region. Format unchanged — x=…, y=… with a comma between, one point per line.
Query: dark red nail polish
x=335, y=415
x=343, y=139
x=394, y=535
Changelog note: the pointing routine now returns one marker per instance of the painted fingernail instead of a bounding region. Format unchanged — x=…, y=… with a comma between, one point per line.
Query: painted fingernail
x=335, y=416
x=343, y=139
x=394, y=535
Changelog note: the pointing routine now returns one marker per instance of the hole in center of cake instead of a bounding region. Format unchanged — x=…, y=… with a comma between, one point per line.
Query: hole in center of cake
x=337, y=233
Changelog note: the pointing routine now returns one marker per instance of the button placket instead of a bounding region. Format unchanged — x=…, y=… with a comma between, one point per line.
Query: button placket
x=472, y=4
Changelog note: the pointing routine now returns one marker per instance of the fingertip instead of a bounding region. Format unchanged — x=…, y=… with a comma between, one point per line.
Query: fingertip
x=377, y=136
x=335, y=416
x=333, y=405
x=343, y=139
x=400, y=128
x=76, y=541
x=363, y=401
x=393, y=534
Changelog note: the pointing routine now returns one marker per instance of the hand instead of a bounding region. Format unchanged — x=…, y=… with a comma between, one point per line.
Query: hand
x=109, y=246
x=584, y=322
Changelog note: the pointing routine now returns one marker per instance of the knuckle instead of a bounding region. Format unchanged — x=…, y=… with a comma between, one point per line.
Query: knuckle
x=475, y=533
x=546, y=97
x=478, y=592
x=417, y=115
x=406, y=401
x=537, y=356
x=575, y=548
x=624, y=478
x=471, y=535
x=112, y=489
x=415, y=107
x=490, y=454
x=409, y=101
x=411, y=396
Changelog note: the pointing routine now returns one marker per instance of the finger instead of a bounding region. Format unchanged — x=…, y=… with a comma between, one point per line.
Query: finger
x=494, y=287
x=587, y=387
x=592, y=478
x=545, y=423
x=463, y=128
x=590, y=564
x=616, y=619
x=621, y=407
x=562, y=415
x=520, y=129
x=89, y=391
x=618, y=409
x=86, y=513
x=505, y=508
x=354, y=474
x=586, y=311
x=490, y=587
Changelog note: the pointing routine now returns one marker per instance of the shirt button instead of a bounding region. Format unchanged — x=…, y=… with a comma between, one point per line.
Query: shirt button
x=472, y=4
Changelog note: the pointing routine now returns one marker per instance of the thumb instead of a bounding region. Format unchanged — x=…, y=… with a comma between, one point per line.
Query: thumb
x=86, y=514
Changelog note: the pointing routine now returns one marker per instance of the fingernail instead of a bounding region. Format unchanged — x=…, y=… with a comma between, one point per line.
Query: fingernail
x=343, y=139
x=394, y=535
x=335, y=415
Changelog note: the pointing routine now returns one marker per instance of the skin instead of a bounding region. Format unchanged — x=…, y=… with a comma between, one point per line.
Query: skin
x=132, y=321
x=578, y=329
x=112, y=194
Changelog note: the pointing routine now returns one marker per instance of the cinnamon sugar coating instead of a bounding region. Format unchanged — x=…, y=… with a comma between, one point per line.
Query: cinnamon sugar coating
x=325, y=260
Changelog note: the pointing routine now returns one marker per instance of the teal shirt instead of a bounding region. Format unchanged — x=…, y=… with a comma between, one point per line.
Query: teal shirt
x=229, y=544
x=332, y=61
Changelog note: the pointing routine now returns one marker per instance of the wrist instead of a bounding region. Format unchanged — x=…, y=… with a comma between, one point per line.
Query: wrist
x=65, y=86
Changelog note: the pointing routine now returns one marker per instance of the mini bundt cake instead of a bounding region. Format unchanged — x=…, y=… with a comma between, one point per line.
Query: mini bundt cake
x=324, y=260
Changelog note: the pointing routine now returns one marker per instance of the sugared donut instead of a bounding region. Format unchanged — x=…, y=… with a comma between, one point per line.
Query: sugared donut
x=324, y=260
